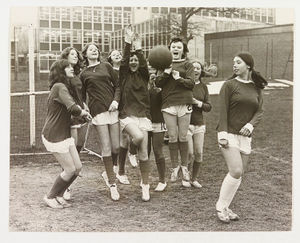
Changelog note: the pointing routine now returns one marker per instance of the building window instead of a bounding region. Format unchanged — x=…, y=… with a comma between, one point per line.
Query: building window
x=55, y=36
x=117, y=17
x=77, y=38
x=44, y=35
x=107, y=16
x=97, y=38
x=164, y=10
x=44, y=13
x=55, y=13
x=155, y=10
x=66, y=14
x=127, y=18
x=77, y=14
x=173, y=10
x=97, y=15
x=87, y=14
x=66, y=36
x=87, y=36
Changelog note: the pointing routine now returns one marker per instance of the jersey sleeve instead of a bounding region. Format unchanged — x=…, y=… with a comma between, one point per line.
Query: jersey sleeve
x=188, y=81
x=115, y=82
x=259, y=113
x=143, y=67
x=224, y=106
x=206, y=106
x=64, y=97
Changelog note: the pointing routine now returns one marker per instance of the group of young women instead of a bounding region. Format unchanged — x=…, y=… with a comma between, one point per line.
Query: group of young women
x=132, y=106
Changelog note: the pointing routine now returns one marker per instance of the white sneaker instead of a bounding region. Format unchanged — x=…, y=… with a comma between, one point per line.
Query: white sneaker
x=52, y=203
x=145, y=192
x=174, y=174
x=104, y=175
x=123, y=179
x=116, y=169
x=114, y=192
x=160, y=187
x=186, y=183
x=132, y=159
x=223, y=215
x=67, y=194
x=185, y=173
x=196, y=184
x=63, y=202
x=232, y=216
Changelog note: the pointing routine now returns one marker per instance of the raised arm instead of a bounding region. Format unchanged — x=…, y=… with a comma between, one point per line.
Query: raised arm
x=124, y=68
x=143, y=67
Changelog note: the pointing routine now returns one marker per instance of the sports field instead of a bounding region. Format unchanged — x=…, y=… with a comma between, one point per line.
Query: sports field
x=264, y=200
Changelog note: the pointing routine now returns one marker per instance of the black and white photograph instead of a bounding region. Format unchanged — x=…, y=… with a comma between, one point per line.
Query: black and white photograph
x=150, y=121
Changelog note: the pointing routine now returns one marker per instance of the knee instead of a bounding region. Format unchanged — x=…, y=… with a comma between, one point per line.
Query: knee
x=67, y=174
x=106, y=150
x=115, y=150
x=137, y=140
x=143, y=155
x=183, y=137
x=198, y=156
x=191, y=156
x=236, y=173
x=172, y=137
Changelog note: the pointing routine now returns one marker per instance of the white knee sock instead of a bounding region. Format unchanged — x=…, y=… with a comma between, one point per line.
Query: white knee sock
x=227, y=192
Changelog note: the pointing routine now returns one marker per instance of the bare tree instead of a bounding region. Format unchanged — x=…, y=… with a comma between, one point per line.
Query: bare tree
x=180, y=24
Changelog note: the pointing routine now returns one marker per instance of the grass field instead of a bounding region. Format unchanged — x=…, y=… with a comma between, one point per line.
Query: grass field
x=264, y=200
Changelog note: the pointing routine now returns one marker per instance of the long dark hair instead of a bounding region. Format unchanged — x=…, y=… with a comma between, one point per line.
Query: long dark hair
x=79, y=65
x=58, y=75
x=109, y=56
x=259, y=81
x=84, y=50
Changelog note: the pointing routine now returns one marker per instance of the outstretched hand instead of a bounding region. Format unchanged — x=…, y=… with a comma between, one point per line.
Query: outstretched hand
x=128, y=34
x=137, y=42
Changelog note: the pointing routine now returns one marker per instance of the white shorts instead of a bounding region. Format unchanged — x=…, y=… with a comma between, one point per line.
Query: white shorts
x=178, y=110
x=143, y=123
x=106, y=118
x=159, y=127
x=59, y=147
x=240, y=142
x=194, y=129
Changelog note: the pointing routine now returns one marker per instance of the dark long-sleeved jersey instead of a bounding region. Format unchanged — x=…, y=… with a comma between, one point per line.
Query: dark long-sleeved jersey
x=200, y=92
x=61, y=106
x=101, y=84
x=134, y=87
x=177, y=92
x=240, y=103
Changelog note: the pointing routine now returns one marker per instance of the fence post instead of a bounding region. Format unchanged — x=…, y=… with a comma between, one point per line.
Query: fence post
x=31, y=85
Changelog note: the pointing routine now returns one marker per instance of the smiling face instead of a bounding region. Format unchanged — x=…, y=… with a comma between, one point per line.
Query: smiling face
x=116, y=57
x=176, y=49
x=69, y=71
x=133, y=63
x=197, y=70
x=240, y=68
x=73, y=57
x=92, y=52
